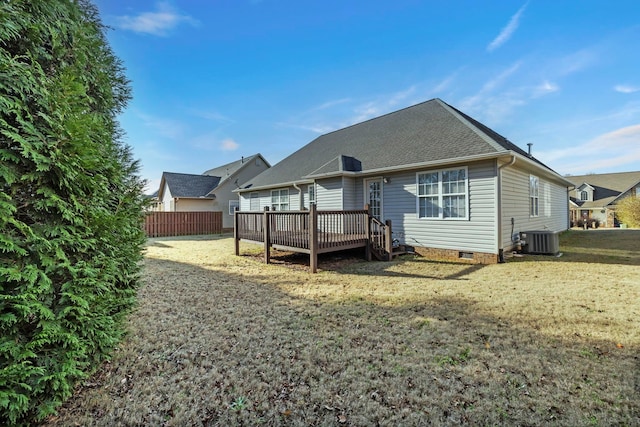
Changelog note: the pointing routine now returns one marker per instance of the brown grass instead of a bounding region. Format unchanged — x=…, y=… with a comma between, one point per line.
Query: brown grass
x=225, y=340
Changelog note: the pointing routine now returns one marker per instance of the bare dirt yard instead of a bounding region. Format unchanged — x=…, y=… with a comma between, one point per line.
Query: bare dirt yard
x=225, y=340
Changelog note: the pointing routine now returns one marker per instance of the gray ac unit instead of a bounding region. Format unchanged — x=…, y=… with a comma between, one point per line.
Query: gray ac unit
x=540, y=242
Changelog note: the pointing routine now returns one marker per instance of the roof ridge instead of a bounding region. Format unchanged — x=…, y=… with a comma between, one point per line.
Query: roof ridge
x=377, y=117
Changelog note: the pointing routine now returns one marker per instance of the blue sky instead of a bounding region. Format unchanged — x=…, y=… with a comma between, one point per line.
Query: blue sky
x=214, y=80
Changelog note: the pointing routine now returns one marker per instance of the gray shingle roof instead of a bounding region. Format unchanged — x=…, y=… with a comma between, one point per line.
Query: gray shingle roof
x=189, y=185
x=607, y=186
x=428, y=132
x=230, y=168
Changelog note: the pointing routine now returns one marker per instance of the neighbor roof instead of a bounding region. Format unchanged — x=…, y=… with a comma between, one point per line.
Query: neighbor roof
x=189, y=185
x=229, y=169
x=432, y=131
x=607, y=187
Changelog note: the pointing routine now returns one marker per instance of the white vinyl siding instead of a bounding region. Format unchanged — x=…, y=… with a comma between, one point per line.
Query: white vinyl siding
x=443, y=194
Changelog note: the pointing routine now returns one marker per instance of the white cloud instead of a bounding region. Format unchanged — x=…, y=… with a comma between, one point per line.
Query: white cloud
x=508, y=30
x=605, y=152
x=444, y=84
x=212, y=115
x=575, y=62
x=330, y=104
x=157, y=23
x=626, y=89
x=166, y=128
x=229, y=145
x=484, y=98
x=544, y=88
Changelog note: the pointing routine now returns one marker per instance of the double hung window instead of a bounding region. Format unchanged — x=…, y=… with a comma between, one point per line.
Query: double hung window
x=443, y=194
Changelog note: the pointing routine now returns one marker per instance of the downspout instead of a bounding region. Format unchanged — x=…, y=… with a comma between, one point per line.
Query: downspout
x=300, y=197
x=500, y=247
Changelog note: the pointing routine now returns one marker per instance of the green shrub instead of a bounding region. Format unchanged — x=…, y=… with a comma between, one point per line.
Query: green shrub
x=628, y=211
x=70, y=204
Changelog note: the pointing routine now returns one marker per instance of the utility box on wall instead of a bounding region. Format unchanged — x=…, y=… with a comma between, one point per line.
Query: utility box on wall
x=540, y=242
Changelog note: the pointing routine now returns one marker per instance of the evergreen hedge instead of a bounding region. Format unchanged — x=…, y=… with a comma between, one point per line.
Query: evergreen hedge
x=70, y=204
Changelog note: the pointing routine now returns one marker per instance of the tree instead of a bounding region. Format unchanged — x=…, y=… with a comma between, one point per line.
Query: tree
x=70, y=203
x=628, y=211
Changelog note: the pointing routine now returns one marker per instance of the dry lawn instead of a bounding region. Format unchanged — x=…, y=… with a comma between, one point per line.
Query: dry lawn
x=225, y=340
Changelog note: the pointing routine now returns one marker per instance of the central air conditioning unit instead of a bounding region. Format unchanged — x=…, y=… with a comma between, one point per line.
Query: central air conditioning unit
x=540, y=242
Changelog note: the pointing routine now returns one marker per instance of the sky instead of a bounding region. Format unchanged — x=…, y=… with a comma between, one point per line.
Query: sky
x=215, y=80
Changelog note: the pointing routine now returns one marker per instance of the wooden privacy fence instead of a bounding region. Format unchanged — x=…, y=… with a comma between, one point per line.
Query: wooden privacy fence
x=165, y=224
x=314, y=232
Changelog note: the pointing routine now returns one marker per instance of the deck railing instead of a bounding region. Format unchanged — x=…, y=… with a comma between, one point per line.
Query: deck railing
x=311, y=231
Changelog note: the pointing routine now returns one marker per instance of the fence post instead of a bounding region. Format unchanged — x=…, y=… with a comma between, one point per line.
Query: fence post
x=236, y=232
x=388, y=242
x=313, y=238
x=267, y=235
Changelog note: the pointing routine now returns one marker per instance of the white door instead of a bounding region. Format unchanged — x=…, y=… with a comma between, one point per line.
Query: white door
x=373, y=196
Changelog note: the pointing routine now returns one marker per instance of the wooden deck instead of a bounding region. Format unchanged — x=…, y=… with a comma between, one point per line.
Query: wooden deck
x=314, y=232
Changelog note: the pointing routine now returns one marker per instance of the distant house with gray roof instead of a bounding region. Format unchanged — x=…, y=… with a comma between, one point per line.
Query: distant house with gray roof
x=210, y=191
x=448, y=183
x=595, y=196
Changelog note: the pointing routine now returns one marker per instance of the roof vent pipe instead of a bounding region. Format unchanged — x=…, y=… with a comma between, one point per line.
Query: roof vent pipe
x=529, y=145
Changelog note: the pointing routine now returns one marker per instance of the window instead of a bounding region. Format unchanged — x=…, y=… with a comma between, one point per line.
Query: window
x=254, y=201
x=311, y=193
x=534, y=195
x=443, y=194
x=280, y=200
x=234, y=205
x=584, y=195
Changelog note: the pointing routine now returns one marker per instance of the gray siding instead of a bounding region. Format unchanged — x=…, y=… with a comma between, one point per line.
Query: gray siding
x=477, y=234
x=553, y=205
x=329, y=194
x=352, y=194
x=265, y=199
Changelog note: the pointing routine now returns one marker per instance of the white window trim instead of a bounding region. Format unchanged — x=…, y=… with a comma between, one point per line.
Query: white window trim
x=280, y=191
x=366, y=192
x=234, y=205
x=254, y=195
x=534, y=199
x=311, y=188
x=440, y=216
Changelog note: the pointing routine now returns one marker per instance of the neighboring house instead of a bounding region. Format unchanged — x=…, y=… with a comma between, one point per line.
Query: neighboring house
x=449, y=184
x=210, y=191
x=595, y=196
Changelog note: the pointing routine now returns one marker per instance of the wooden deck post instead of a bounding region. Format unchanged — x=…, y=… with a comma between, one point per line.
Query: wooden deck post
x=267, y=235
x=367, y=250
x=313, y=238
x=236, y=239
x=388, y=240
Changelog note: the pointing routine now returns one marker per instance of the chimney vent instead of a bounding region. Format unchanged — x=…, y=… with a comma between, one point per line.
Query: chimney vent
x=529, y=145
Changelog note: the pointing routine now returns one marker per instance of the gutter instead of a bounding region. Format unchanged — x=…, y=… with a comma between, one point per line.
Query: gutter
x=300, y=196
x=499, y=222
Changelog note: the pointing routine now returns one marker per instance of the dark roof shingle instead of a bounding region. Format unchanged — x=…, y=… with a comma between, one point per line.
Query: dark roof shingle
x=189, y=185
x=428, y=132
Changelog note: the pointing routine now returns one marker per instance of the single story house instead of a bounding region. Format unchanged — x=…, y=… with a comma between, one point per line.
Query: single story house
x=452, y=187
x=595, y=196
x=210, y=191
